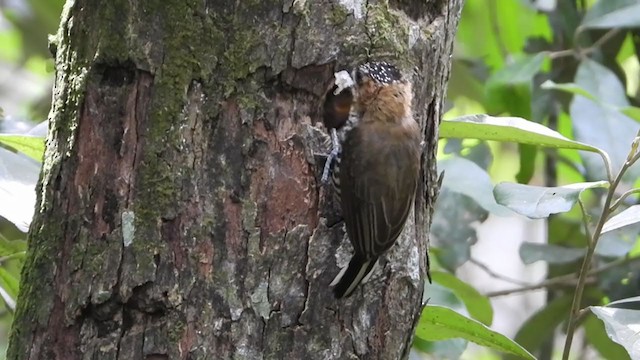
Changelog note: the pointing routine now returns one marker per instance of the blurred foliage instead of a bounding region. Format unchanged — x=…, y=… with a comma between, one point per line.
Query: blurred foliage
x=26, y=66
x=571, y=66
x=26, y=75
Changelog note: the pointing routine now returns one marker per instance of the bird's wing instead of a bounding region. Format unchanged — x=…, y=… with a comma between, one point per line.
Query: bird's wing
x=376, y=194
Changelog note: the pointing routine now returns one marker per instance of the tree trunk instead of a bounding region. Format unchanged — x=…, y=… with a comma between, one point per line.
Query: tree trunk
x=180, y=214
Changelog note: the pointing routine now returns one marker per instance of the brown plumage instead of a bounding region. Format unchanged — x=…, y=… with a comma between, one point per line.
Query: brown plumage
x=378, y=169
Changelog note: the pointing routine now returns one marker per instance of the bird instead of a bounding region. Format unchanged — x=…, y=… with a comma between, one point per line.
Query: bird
x=377, y=169
x=337, y=118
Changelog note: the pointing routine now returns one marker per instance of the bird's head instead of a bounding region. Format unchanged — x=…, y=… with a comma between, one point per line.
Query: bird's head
x=382, y=91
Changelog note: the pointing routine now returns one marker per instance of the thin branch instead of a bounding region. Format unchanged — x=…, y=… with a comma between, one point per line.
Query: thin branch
x=551, y=283
x=585, y=219
x=11, y=256
x=564, y=280
x=496, y=275
x=586, y=263
x=493, y=15
x=603, y=39
x=633, y=159
x=561, y=53
x=582, y=52
x=622, y=197
x=607, y=165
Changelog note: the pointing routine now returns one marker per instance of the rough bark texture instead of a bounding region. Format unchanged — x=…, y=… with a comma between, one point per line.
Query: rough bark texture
x=180, y=214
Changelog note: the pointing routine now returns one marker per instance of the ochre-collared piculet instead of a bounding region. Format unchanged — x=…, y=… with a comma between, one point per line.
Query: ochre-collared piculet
x=377, y=167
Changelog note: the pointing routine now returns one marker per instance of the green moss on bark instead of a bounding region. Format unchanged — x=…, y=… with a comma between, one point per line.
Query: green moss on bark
x=388, y=34
x=338, y=15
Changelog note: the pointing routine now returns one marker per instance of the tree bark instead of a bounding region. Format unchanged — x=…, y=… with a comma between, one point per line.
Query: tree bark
x=180, y=214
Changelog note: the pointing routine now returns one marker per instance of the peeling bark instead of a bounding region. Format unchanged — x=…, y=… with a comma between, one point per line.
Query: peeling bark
x=180, y=214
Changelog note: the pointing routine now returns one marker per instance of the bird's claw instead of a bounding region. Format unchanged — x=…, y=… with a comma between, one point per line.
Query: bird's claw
x=335, y=150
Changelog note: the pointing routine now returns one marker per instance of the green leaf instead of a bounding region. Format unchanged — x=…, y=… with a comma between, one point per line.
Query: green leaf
x=538, y=202
x=566, y=231
x=624, y=303
x=480, y=21
x=600, y=122
x=602, y=83
x=508, y=90
x=527, y=163
x=31, y=146
x=9, y=301
x=10, y=45
x=632, y=112
x=12, y=248
x=445, y=349
x=463, y=82
x=18, y=178
x=618, y=242
x=603, y=120
x=541, y=326
x=512, y=99
x=466, y=177
x=9, y=283
x=513, y=129
x=553, y=254
x=622, y=327
x=568, y=87
x=478, y=306
x=441, y=323
x=452, y=231
x=440, y=295
x=628, y=216
x=597, y=336
x=520, y=71
x=606, y=14
x=37, y=20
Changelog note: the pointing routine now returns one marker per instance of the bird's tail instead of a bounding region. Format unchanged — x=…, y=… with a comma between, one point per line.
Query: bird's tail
x=349, y=277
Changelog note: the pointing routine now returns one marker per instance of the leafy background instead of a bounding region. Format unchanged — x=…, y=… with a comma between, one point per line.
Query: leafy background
x=26, y=74
x=570, y=66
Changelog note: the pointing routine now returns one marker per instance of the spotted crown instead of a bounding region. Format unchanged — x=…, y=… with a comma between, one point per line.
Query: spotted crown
x=381, y=72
